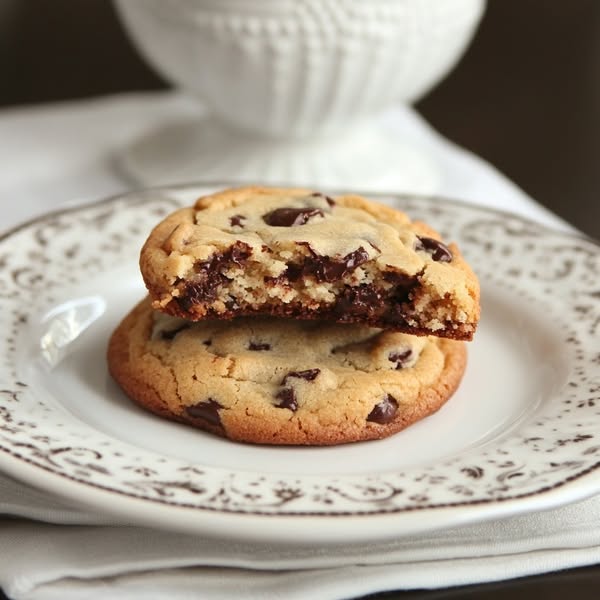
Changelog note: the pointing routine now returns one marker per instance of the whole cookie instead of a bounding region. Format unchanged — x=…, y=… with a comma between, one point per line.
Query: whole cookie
x=280, y=381
x=304, y=255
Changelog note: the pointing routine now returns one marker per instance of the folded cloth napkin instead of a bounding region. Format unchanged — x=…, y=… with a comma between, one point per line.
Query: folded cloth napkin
x=68, y=152
x=50, y=550
x=57, y=560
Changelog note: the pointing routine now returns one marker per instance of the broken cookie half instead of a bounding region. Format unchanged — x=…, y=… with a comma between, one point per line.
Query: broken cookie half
x=304, y=255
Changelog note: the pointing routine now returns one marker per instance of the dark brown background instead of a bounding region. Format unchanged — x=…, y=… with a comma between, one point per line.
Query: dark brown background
x=526, y=97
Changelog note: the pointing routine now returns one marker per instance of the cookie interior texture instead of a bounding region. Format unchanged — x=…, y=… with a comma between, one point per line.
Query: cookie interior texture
x=281, y=381
x=300, y=254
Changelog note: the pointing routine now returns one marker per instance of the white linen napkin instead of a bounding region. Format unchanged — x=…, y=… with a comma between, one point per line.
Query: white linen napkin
x=57, y=559
x=67, y=152
x=49, y=550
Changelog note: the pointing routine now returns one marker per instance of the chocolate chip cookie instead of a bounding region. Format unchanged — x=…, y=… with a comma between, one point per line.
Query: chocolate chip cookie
x=268, y=380
x=304, y=255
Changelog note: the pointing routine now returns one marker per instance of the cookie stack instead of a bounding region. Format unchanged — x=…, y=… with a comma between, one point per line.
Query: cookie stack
x=285, y=316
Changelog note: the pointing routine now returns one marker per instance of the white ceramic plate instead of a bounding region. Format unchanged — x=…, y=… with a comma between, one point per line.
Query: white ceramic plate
x=520, y=434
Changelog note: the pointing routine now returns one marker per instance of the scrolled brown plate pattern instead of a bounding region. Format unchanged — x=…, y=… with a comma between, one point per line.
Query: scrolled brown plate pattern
x=554, y=449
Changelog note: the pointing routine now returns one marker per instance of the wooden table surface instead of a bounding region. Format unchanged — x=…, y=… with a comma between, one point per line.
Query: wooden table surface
x=526, y=97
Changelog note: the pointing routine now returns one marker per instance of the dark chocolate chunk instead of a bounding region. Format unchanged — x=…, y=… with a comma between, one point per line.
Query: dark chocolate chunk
x=362, y=300
x=207, y=342
x=326, y=268
x=236, y=220
x=396, y=316
x=208, y=410
x=237, y=254
x=203, y=288
x=288, y=399
x=385, y=411
x=293, y=272
x=259, y=346
x=169, y=335
x=436, y=249
x=403, y=285
x=308, y=375
x=322, y=268
x=396, y=299
x=400, y=357
x=290, y=217
x=209, y=276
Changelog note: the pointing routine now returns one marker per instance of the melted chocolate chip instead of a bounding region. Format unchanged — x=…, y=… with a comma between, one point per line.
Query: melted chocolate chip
x=329, y=200
x=436, y=249
x=208, y=275
x=200, y=290
x=372, y=303
x=356, y=301
x=288, y=399
x=207, y=342
x=392, y=309
x=400, y=294
x=395, y=316
x=322, y=268
x=402, y=283
x=325, y=268
x=290, y=217
x=237, y=254
x=385, y=411
x=236, y=220
x=293, y=272
x=259, y=346
x=330, y=270
x=208, y=411
x=400, y=358
x=169, y=335
x=308, y=375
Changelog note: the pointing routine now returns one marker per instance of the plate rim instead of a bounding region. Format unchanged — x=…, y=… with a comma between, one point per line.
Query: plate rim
x=514, y=503
x=306, y=529
x=202, y=184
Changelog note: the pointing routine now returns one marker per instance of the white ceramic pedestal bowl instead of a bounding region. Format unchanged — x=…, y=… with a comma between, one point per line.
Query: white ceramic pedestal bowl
x=297, y=77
